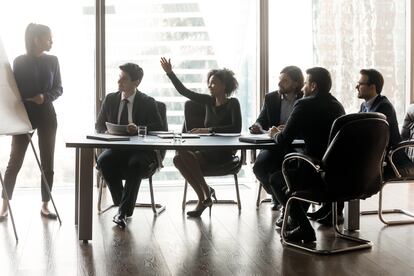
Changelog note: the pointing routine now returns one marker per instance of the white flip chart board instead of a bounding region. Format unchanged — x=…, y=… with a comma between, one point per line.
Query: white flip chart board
x=13, y=115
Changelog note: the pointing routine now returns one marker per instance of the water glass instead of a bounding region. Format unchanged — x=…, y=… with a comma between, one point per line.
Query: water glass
x=142, y=131
x=177, y=136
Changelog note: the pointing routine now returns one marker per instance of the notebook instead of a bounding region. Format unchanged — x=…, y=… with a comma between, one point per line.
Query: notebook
x=116, y=129
x=107, y=137
x=184, y=135
x=256, y=139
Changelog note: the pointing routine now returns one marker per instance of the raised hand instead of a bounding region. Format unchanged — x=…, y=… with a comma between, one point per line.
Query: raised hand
x=166, y=65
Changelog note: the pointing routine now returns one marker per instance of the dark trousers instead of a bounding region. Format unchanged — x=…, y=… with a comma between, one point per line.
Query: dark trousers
x=267, y=163
x=128, y=165
x=301, y=177
x=46, y=125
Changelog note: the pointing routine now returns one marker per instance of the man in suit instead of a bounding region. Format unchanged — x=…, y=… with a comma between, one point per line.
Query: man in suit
x=311, y=119
x=369, y=87
x=275, y=112
x=129, y=107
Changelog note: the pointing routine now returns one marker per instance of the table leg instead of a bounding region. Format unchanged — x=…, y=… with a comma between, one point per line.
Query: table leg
x=352, y=215
x=76, y=185
x=85, y=194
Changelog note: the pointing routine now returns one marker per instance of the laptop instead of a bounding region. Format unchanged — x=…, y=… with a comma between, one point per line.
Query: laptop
x=256, y=138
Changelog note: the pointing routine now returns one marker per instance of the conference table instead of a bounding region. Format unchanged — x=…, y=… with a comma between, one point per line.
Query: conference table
x=85, y=163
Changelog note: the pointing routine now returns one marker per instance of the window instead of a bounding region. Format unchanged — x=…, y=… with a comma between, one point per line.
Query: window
x=198, y=36
x=72, y=25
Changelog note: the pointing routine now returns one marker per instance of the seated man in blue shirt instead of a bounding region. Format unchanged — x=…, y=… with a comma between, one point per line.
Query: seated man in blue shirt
x=129, y=107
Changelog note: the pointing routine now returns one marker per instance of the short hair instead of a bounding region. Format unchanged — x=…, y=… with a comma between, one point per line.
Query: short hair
x=32, y=32
x=296, y=75
x=134, y=71
x=374, y=77
x=321, y=77
x=226, y=76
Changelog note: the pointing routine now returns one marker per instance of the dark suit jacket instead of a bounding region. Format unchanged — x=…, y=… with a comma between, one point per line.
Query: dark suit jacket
x=311, y=119
x=144, y=112
x=384, y=106
x=270, y=114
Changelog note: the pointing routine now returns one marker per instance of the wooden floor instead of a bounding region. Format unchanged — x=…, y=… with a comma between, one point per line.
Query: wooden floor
x=227, y=243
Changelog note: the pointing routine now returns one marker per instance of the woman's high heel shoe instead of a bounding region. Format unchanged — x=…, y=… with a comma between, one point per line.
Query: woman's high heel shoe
x=197, y=213
x=213, y=194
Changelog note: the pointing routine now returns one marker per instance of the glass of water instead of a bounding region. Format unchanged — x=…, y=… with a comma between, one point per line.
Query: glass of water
x=177, y=136
x=142, y=131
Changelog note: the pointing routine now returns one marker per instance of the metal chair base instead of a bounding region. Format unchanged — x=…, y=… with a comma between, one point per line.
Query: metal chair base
x=314, y=247
x=219, y=201
x=157, y=209
x=259, y=200
x=380, y=212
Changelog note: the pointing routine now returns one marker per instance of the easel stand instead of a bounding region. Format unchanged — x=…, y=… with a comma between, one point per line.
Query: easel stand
x=9, y=207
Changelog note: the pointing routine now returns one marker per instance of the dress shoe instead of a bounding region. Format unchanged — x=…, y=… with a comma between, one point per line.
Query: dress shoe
x=327, y=220
x=276, y=206
x=120, y=220
x=197, y=213
x=300, y=235
x=213, y=194
x=48, y=215
x=4, y=216
x=320, y=213
x=279, y=220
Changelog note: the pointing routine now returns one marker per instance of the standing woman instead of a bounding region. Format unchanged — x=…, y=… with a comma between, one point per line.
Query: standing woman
x=38, y=79
x=223, y=115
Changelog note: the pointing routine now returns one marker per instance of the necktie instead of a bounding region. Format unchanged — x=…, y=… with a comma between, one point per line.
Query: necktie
x=123, y=120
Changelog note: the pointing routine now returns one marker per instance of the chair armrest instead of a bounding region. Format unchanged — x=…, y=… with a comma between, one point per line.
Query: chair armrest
x=243, y=156
x=400, y=146
x=253, y=156
x=315, y=163
x=299, y=156
x=159, y=159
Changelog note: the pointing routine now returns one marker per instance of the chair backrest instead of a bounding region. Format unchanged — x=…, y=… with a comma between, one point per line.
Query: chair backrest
x=194, y=115
x=352, y=163
x=407, y=130
x=162, y=109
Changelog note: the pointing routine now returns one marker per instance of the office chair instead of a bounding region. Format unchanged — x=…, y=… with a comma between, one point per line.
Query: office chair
x=400, y=159
x=351, y=168
x=194, y=115
x=152, y=168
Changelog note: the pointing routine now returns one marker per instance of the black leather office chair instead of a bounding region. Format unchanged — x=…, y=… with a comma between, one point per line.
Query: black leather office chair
x=152, y=168
x=400, y=158
x=351, y=168
x=194, y=115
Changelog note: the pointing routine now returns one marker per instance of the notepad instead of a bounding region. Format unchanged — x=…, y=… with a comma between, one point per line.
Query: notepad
x=116, y=129
x=107, y=137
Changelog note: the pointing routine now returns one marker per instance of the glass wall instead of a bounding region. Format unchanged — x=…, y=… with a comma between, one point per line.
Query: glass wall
x=290, y=37
x=198, y=36
x=72, y=24
x=344, y=37
x=351, y=35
